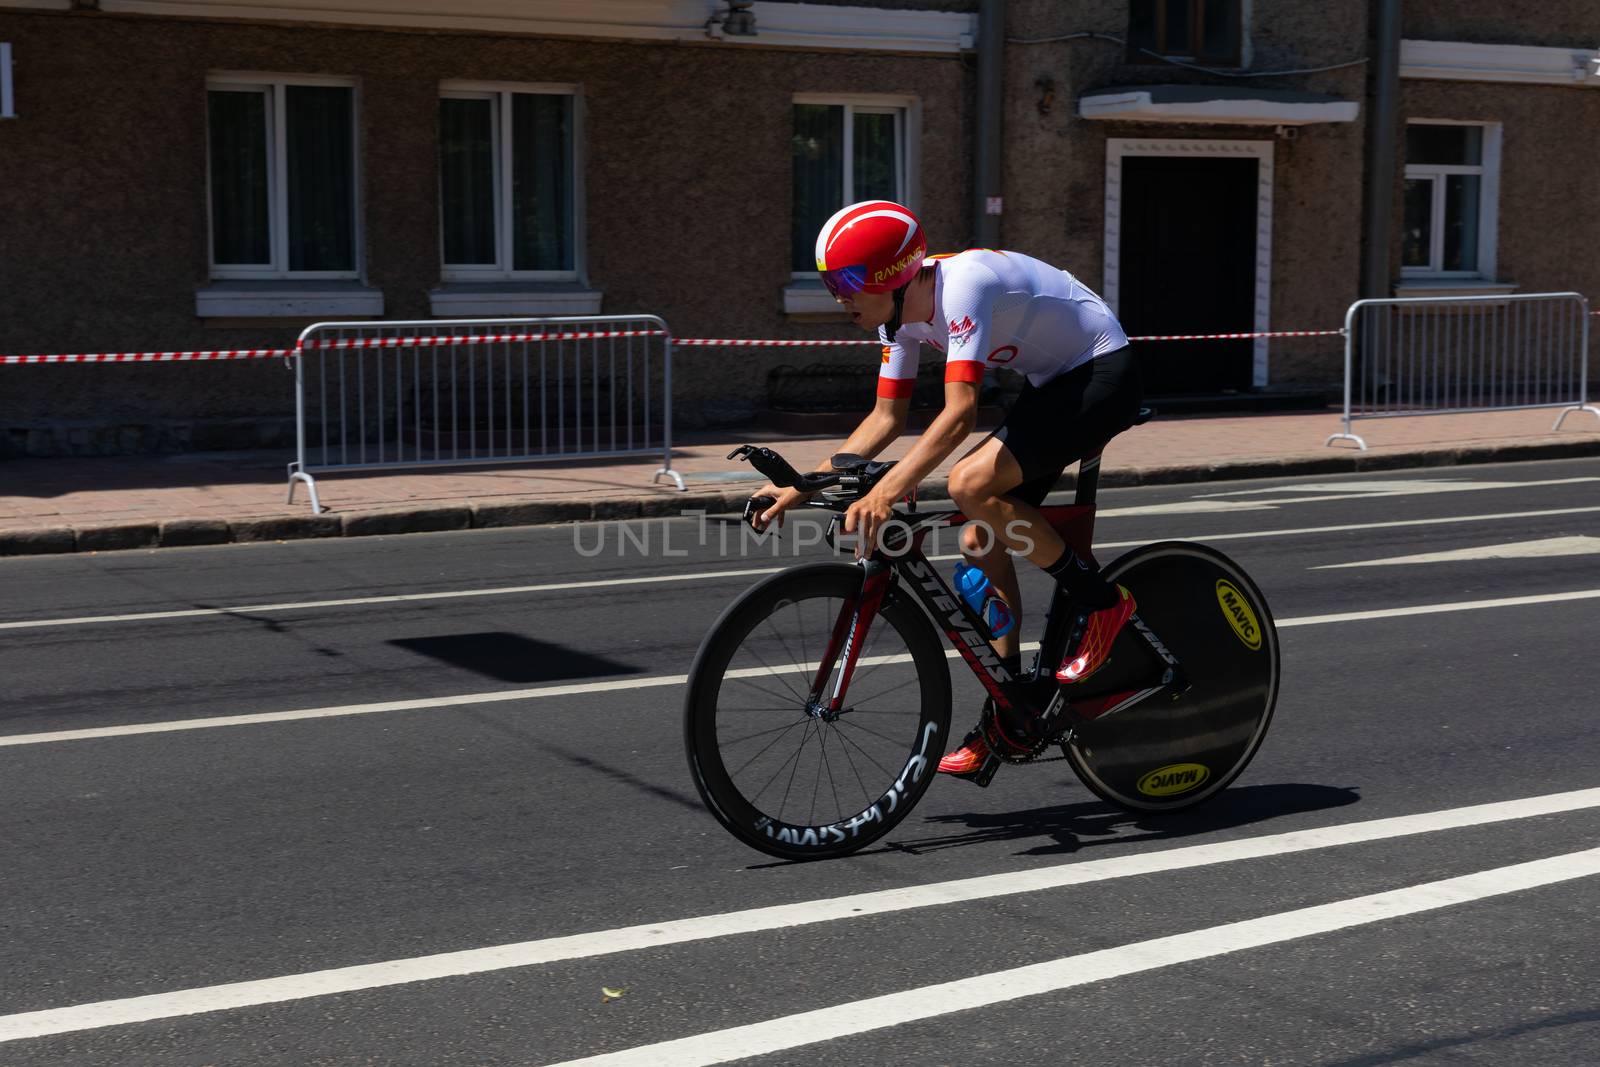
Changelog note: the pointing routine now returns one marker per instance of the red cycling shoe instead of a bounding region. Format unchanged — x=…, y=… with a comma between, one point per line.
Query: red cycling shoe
x=1099, y=630
x=980, y=745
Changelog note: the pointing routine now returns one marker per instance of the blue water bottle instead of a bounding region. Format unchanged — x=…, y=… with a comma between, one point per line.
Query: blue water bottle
x=976, y=589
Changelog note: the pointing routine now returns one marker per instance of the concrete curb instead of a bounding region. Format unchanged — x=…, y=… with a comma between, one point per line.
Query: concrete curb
x=477, y=515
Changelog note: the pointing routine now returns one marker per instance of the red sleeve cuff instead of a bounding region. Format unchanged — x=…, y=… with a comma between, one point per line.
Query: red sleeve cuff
x=896, y=388
x=964, y=370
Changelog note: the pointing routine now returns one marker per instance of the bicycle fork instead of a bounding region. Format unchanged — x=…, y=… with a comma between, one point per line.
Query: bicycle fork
x=848, y=637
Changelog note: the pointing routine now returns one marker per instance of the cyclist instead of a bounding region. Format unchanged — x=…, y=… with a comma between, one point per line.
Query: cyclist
x=984, y=308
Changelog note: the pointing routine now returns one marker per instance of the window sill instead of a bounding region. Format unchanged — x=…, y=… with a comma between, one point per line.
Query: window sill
x=513, y=299
x=291, y=299
x=1420, y=286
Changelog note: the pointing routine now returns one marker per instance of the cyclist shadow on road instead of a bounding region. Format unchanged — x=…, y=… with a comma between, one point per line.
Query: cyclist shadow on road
x=510, y=657
x=1071, y=827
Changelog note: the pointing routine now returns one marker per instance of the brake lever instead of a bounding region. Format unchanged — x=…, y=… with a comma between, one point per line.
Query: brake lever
x=755, y=506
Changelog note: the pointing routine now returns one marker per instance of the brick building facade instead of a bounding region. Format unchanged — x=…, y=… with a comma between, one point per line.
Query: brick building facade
x=213, y=174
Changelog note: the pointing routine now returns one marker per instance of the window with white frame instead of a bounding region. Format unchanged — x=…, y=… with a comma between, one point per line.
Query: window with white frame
x=1451, y=184
x=282, y=182
x=508, y=180
x=843, y=152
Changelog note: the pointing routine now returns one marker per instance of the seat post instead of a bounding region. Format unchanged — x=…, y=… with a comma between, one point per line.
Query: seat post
x=1088, y=480
x=1089, y=466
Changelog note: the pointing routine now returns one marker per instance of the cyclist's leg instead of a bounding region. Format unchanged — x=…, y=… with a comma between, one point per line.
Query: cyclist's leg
x=1004, y=479
x=991, y=487
x=974, y=482
x=1067, y=419
x=977, y=484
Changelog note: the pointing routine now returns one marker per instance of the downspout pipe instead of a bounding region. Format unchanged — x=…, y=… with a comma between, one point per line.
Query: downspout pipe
x=986, y=147
x=1382, y=126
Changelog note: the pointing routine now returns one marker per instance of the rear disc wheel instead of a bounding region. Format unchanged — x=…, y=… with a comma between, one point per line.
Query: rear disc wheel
x=1165, y=753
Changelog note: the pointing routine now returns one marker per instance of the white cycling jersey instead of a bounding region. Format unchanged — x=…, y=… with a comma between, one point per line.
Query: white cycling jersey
x=1001, y=309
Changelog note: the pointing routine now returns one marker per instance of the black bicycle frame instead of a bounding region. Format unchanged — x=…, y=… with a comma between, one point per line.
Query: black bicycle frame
x=1035, y=692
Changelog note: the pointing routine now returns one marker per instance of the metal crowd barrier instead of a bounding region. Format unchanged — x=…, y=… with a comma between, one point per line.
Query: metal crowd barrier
x=1446, y=355
x=473, y=392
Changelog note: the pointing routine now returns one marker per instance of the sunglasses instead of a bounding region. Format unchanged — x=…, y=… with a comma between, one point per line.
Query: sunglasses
x=845, y=281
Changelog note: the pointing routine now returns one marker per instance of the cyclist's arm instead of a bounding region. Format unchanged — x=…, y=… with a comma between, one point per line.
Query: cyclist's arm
x=942, y=437
x=969, y=300
x=885, y=422
x=897, y=378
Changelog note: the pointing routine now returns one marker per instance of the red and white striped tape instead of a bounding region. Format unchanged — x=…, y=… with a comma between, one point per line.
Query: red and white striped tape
x=725, y=342
x=1238, y=336
x=753, y=343
x=564, y=335
x=447, y=341
x=150, y=357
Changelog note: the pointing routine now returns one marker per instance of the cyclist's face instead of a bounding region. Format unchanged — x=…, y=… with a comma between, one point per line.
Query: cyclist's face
x=868, y=310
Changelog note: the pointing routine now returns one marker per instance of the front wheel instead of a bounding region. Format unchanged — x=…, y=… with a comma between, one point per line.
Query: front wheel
x=1168, y=753
x=780, y=772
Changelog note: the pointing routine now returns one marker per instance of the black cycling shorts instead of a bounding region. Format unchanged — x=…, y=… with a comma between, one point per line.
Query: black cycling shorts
x=1069, y=418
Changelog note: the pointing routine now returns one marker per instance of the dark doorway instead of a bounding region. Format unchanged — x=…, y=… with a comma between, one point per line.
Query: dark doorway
x=1189, y=266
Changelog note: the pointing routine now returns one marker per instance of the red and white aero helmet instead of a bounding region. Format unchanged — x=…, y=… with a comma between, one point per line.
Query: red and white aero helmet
x=875, y=246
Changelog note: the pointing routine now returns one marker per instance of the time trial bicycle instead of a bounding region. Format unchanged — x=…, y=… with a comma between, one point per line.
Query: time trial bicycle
x=819, y=703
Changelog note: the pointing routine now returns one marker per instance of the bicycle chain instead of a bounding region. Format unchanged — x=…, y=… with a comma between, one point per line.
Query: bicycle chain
x=1036, y=758
x=987, y=722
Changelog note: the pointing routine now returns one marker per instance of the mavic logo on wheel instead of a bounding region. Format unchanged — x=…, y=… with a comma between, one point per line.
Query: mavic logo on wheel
x=1173, y=779
x=1239, y=616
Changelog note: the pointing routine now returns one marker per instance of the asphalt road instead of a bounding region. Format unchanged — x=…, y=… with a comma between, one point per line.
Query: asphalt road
x=230, y=806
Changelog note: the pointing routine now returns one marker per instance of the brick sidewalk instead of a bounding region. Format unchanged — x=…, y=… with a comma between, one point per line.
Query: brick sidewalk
x=64, y=505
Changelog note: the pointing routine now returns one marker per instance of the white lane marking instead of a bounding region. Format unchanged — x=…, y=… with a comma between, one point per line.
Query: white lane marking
x=399, y=598
x=748, y=572
x=429, y=703
x=1549, y=546
x=1188, y=507
x=780, y=917
x=1321, y=492
x=1002, y=987
x=1394, y=487
x=1328, y=491
x=1436, y=609
x=578, y=688
x=424, y=703
x=1351, y=527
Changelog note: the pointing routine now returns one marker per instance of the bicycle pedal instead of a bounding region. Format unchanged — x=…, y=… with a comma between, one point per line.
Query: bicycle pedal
x=984, y=774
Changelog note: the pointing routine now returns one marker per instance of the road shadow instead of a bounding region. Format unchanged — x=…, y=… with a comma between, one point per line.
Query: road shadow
x=1423, y=1049
x=526, y=737
x=1070, y=827
x=510, y=657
